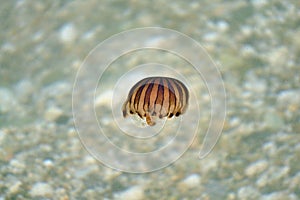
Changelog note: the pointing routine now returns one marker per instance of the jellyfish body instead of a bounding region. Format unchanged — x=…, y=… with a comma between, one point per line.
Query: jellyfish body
x=156, y=97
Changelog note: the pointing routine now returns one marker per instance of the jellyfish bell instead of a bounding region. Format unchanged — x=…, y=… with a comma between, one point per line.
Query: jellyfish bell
x=156, y=97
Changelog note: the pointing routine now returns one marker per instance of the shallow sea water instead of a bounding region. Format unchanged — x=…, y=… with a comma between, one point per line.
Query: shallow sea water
x=254, y=44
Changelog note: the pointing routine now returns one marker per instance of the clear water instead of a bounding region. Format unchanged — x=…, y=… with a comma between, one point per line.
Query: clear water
x=44, y=154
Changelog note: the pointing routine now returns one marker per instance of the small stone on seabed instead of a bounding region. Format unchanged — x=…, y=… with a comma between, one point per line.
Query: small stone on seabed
x=210, y=36
x=132, y=193
x=273, y=121
x=256, y=168
x=7, y=100
x=48, y=163
x=8, y=47
x=104, y=99
x=23, y=90
x=248, y=192
x=15, y=187
x=53, y=113
x=17, y=164
x=110, y=174
x=288, y=97
x=222, y=25
x=41, y=190
x=279, y=196
x=259, y=3
x=68, y=33
x=192, y=181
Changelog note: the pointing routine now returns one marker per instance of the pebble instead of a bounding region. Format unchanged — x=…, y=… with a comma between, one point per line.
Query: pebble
x=89, y=35
x=294, y=182
x=222, y=25
x=272, y=176
x=255, y=84
x=288, y=97
x=246, y=30
x=210, y=37
x=89, y=194
x=273, y=121
x=259, y=3
x=41, y=189
x=2, y=136
x=68, y=33
x=155, y=41
x=270, y=148
x=256, y=168
x=48, y=163
x=7, y=101
x=104, y=99
x=110, y=174
x=23, y=90
x=14, y=188
x=279, y=196
x=53, y=113
x=191, y=181
x=248, y=192
x=209, y=165
x=278, y=57
x=8, y=47
x=17, y=166
x=61, y=193
x=234, y=121
x=132, y=193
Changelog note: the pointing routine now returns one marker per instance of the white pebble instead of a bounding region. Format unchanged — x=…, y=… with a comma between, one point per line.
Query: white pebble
x=259, y=3
x=234, y=121
x=287, y=97
x=210, y=164
x=41, y=190
x=262, y=180
x=48, y=163
x=110, y=174
x=255, y=84
x=246, y=30
x=132, y=193
x=2, y=136
x=278, y=57
x=8, y=47
x=248, y=192
x=14, y=188
x=210, y=36
x=272, y=174
x=222, y=25
x=154, y=41
x=104, y=99
x=17, y=164
x=23, y=90
x=270, y=148
x=89, y=35
x=68, y=33
x=8, y=102
x=192, y=181
x=53, y=113
x=273, y=121
x=256, y=168
x=279, y=196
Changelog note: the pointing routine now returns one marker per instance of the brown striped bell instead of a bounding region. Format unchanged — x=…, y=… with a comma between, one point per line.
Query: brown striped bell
x=156, y=97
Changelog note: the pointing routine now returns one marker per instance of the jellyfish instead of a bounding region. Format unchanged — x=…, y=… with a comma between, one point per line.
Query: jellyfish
x=154, y=97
